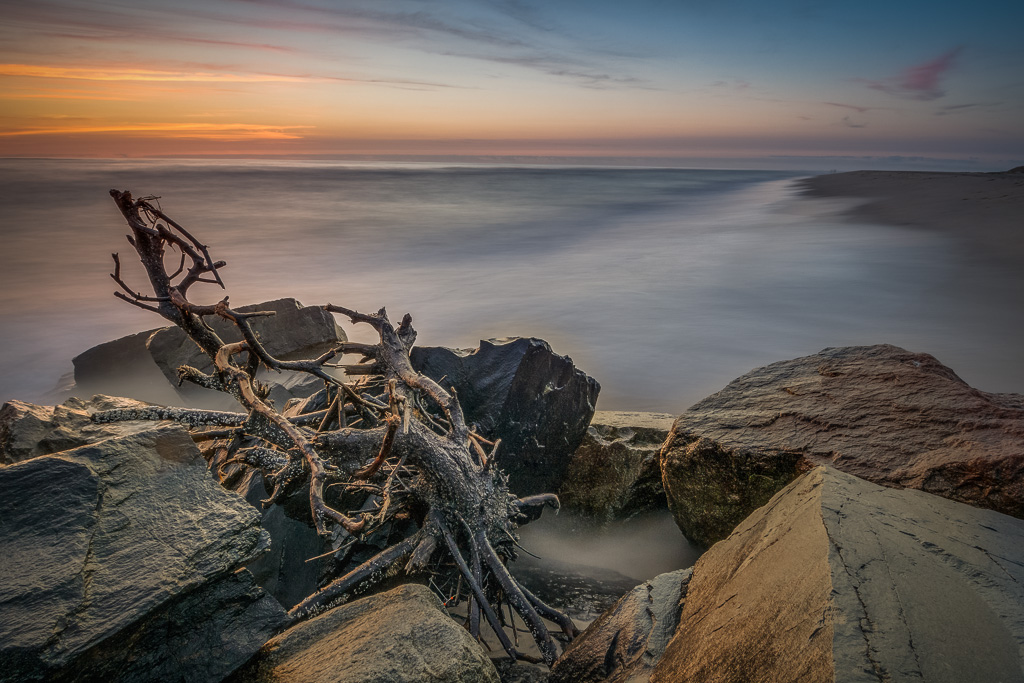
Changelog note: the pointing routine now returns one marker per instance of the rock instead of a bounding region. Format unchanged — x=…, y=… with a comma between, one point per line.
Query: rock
x=295, y=331
x=838, y=579
x=626, y=642
x=615, y=472
x=28, y=430
x=711, y=489
x=890, y=416
x=123, y=367
x=145, y=365
x=393, y=637
x=121, y=562
x=517, y=389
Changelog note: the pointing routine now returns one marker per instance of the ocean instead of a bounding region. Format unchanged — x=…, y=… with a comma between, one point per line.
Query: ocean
x=664, y=284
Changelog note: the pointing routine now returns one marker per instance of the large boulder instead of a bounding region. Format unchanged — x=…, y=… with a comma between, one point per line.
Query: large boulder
x=392, y=637
x=294, y=331
x=145, y=365
x=837, y=579
x=625, y=643
x=891, y=416
x=517, y=389
x=28, y=430
x=122, y=562
x=615, y=472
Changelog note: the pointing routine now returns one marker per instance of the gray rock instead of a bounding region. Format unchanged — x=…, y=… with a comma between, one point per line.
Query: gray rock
x=838, y=579
x=294, y=331
x=615, y=473
x=28, y=430
x=517, y=389
x=885, y=414
x=393, y=637
x=123, y=367
x=145, y=365
x=626, y=642
x=120, y=562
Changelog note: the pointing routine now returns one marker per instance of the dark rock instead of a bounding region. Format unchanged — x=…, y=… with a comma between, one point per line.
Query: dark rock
x=517, y=389
x=121, y=562
x=615, y=472
x=28, y=430
x=838, y=579
x=393, y=637
x=513, y=671
x=626, y=642
x=711, y=489
x=890, y=416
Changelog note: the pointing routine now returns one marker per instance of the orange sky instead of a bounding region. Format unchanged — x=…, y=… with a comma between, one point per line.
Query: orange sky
x=294, y=77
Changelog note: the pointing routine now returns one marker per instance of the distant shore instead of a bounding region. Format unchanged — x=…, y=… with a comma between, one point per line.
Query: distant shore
x=985, y=209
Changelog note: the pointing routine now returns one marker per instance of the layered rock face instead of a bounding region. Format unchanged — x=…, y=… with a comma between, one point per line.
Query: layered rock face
x=615, y=472
x=393, y=637
x=121, y=562
x=517, y=389
x=891, y=416
x=838, y=579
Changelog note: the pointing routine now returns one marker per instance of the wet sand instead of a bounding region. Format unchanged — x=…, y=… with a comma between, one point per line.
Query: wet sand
x=984, y=210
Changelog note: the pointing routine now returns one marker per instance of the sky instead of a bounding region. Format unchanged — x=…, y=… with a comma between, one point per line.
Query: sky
x=645, y=78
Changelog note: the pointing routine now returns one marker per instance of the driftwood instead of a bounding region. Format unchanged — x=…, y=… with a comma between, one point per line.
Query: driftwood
x=393, y=432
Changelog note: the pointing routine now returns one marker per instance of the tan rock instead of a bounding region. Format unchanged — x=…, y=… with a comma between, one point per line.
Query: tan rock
x=615, y=473
x=891, y=416
x=393, y=637
x=838, y=579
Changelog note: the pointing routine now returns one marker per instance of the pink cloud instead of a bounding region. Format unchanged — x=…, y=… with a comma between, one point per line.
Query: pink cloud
x=919, y=82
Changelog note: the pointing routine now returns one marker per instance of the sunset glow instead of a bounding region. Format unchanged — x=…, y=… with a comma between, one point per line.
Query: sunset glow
x=311, y=77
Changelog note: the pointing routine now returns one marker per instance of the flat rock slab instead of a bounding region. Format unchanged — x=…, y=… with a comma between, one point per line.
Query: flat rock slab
x=120, y=563
x=838, y=579
x=615, y=472
x=393, y=637
x=885, y=414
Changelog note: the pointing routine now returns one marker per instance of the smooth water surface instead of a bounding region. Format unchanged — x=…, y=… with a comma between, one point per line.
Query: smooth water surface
x=663, y=284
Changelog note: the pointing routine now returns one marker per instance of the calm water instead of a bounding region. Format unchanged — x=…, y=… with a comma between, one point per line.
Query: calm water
x=663, y=284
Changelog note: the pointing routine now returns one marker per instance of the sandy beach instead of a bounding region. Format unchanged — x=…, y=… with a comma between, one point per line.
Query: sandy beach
x=983, y=209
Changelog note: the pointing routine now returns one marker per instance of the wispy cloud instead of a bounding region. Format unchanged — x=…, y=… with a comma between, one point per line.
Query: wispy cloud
x=859, y=110
x=957, y=108
x=920, y=82
x=849, y=123
x=123, y=74
x=202, y=131
x=564, y=67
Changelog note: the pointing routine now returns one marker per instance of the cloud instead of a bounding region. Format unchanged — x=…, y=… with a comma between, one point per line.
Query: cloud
x=203, y=131
x=564, y=67
x=920, y=82
x=956, y=108
x=859, y=110
x=850, y=124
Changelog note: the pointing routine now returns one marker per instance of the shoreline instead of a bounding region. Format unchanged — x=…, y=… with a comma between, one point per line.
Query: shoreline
x=983, y=210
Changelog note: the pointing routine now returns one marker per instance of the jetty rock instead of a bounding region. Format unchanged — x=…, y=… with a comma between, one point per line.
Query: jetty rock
x=625, y=643
x=520, y=391
x=882, y=413
x=122, y=561
x=391, y=637
x=145, y=365
x=615, y=473
x=840, y=580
